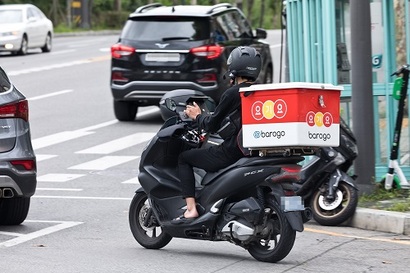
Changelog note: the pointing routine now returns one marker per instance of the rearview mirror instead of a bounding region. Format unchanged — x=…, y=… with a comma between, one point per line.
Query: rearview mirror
x=170, y=104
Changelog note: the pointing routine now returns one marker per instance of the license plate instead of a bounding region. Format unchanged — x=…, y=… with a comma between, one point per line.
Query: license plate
x=162, y=57
x=291, y=203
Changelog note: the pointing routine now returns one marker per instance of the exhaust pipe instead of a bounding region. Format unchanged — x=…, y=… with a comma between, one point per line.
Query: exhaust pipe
x=7, y=193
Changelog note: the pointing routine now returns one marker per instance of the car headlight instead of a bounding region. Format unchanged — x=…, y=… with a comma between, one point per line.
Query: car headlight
x=10, y=33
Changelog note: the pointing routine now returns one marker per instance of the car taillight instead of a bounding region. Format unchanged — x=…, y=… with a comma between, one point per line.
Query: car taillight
x=208, y=78
x=15, y=110
x=118, y=51
x=209, y=52
x=118, y=77
x=29, y=165
x=289, y=173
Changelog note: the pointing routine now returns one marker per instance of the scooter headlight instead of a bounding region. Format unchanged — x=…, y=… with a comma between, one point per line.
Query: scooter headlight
x=339, y=159
x=350, y=146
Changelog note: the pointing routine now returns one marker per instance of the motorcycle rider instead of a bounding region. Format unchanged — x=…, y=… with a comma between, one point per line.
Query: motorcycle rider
x=244, y=64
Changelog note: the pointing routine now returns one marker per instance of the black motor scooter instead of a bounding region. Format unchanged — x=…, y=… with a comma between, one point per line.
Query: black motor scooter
x=325, y=185
x=250, y=203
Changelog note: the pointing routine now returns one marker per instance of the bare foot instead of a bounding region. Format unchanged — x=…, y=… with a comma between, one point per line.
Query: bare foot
x=191, y=214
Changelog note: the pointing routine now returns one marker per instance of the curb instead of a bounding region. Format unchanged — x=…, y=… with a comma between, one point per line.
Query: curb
x=380, y=220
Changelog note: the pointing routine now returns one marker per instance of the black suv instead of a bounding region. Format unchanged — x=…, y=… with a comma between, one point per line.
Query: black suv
x=163, y=48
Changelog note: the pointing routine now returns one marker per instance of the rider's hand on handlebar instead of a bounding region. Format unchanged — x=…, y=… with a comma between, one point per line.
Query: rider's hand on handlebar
x=192, y=111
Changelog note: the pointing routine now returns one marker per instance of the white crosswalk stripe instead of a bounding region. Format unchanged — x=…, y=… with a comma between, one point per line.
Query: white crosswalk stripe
x=58, y=177
x=103, y=163
x=99, y=157
x=131, y=181
x=118, y=144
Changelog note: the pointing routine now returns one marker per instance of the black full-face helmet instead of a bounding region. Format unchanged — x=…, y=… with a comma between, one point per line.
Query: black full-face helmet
x=245, y=61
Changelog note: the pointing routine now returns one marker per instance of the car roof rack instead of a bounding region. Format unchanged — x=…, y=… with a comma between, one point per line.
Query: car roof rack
x=218, y=6
x=146, y=7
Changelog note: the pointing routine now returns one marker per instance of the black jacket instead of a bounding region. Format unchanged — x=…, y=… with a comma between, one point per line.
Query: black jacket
x=229, y=102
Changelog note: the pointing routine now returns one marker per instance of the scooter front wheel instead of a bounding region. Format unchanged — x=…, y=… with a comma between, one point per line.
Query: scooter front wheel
x=143, y=224
x=335, y=212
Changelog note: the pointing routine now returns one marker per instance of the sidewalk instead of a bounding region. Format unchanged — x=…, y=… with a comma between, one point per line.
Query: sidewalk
x=381, y=220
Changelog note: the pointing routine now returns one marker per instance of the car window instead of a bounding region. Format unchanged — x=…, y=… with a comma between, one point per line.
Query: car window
x=166, y=28
x=11, y=16
x=37, y=13
x=244, y=29
x=5, y=85
x=219, y=33
x=235, y=25
x=31, y=13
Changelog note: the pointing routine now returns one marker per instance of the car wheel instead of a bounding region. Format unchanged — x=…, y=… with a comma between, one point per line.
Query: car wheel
x=14, y=211
x=24, y=46
x=48, y=44
x=125, y=111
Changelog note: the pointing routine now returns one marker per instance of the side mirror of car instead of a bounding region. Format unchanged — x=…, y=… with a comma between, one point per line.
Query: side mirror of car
x=261, y=33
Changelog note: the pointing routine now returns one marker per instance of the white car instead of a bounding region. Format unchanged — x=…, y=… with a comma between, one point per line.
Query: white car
x=22, y=27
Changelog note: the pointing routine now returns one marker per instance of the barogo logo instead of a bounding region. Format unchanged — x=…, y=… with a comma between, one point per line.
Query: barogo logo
x=319, y=119
x=269, y=134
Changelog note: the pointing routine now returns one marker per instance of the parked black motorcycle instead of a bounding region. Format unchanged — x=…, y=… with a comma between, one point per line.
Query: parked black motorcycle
x=325, y=185
x=250, y=203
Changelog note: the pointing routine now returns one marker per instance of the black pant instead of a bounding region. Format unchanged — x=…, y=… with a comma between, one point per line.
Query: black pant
x=205, y=159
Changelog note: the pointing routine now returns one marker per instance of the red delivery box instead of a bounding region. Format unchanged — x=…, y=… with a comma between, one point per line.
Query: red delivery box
x=295, y=114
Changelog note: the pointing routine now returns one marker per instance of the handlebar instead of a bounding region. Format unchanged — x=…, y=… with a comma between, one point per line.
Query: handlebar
x=405, y=69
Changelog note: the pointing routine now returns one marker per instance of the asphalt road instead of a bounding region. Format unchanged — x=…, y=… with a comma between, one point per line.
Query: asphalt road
x=87, y=167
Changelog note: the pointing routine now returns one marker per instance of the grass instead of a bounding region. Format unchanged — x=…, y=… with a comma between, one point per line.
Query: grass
x=392, y=200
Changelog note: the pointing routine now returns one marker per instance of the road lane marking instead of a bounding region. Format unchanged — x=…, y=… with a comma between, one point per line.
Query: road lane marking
x=84, y=197
x=118, y=144
x=98, y=126
x=60, y=137
x=132, y=181
x=50, y=95
x=62, y=51
x=48, y=67
x=42, y=157
x=22, y=238
x=103, y=163
x=336, y=234
x=57, y=189
x=57, y=138
x=58, y=177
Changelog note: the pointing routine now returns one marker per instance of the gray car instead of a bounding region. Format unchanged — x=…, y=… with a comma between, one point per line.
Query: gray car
x=18, y=173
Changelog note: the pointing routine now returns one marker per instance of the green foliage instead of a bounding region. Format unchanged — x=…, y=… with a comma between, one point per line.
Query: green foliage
x=392, y=200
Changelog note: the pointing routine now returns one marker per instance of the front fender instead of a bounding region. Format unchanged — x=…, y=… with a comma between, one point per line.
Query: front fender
x=139, y=190
x=338, y=176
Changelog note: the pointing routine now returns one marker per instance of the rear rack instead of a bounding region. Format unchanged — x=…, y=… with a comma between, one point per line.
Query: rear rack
x=147, y=7
x=286, y=151
x=218, y=6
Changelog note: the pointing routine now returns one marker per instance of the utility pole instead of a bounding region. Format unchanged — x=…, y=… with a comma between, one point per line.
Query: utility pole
x=362, y=93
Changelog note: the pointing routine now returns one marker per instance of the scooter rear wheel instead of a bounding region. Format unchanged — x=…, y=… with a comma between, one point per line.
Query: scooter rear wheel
x=143, y=226
x=333, y=213
x=278, y=240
